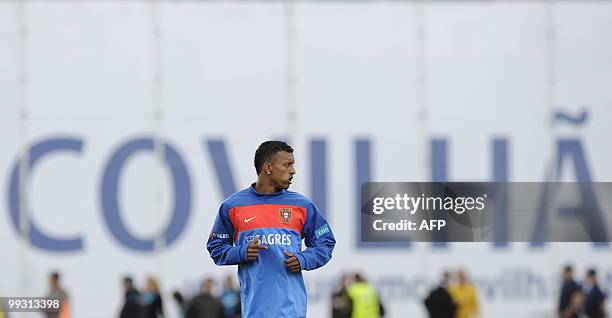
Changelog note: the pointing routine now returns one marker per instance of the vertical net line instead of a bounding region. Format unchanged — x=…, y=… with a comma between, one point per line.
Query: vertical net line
x=24, y=157
x=292, y=129
x=551, y=100
x=421, y=90
x=420, y=29
x=551, y=84
x=158, y=131
x=290, y=70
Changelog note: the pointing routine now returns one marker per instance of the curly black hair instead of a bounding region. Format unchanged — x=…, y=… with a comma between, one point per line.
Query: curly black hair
x=267, y=150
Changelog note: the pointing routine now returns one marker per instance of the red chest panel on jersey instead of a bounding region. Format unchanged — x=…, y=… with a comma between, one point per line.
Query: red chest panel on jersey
x=250, y=217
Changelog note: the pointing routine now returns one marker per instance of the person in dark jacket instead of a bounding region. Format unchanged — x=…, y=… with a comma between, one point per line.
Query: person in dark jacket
x=439, y=302
x=180, y=302
x=152, y=300
x=205, y=305
x=594, y=301
x=58, y=292
x=571, y=295
x=131, y=307
x=342, y=304
x=230, y=299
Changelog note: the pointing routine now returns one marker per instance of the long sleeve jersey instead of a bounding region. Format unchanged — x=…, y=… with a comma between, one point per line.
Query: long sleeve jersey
x=280, y=220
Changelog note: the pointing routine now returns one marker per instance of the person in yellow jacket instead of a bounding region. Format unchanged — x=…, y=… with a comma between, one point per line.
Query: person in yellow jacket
x=366, y=303
x=465, y=296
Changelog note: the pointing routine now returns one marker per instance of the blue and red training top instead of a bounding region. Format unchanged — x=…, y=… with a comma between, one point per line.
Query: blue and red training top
x=280, y=220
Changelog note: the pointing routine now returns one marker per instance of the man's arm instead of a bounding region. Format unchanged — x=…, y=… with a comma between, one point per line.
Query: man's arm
x=319, y=240
x=221, y=241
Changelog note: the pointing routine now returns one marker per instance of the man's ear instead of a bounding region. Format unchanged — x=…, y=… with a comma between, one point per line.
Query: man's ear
x=267, y=168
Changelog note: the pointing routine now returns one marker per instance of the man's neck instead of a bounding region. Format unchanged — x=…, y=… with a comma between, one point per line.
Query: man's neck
x=264, y=186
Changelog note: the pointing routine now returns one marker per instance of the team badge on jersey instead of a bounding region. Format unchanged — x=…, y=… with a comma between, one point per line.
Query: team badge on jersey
x=285, y=215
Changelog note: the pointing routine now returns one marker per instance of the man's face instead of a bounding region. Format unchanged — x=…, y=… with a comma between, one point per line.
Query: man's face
x=229, y=282
x=591, y=280
x=209, y=285
x=127, y=284
x=53, y=281
x=462, y=277
x=282, y=170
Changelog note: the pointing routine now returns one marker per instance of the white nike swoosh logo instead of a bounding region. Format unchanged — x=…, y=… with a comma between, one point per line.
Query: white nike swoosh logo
x=249, y=220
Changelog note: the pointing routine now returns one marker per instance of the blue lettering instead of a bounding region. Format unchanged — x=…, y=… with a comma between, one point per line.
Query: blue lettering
x=318, y=174
x=37, y=237
x=500, y=175
x=439, y=173
x=572, y=150
x=221, y=166
x=182, y=195
x=363, y=169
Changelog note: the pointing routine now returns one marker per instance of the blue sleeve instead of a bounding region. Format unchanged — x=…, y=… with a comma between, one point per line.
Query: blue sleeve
x=221, y=241
x=319, y=240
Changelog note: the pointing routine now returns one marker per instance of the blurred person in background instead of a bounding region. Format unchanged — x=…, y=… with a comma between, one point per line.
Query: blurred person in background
x=57, y=292
x=594, y=300
x=342, y=305
x=464, y=294
x=570, y=297
x=366, y=303
x=3, y=313
x=574, y=309
x=152, y=300
x=205, y=305
x=131, y=306
x=180, y=302
x=439, y=303
x=230, y=298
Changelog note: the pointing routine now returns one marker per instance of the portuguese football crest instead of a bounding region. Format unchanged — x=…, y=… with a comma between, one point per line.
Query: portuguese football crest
x=285, y=215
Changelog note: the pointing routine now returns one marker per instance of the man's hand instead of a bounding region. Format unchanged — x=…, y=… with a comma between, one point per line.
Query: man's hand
x=292, y=262
x=254, y=248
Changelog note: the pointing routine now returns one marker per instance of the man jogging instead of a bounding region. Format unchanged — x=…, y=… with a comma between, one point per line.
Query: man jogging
x=261, y=228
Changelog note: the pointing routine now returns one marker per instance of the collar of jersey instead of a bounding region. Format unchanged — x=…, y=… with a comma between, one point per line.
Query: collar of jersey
x=252, y=188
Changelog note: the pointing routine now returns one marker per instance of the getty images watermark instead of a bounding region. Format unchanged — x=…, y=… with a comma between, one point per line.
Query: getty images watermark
x=411, y=205
x=479, y=211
